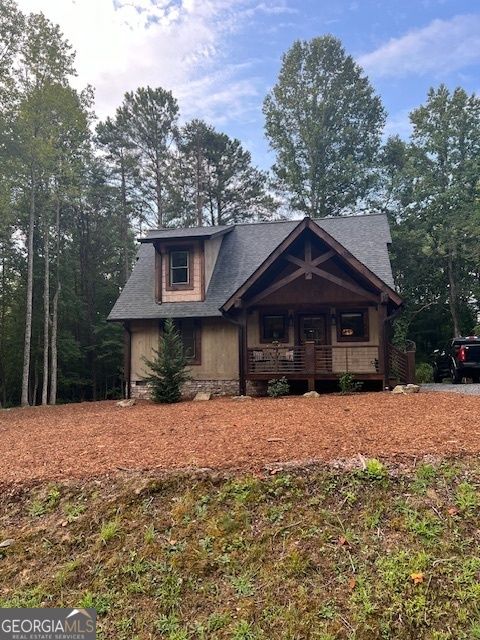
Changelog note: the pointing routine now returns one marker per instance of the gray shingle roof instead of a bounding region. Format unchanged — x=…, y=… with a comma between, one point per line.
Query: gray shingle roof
x=243, y=250
x=187, y=232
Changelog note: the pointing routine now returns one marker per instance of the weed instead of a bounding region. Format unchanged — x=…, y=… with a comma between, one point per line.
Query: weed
x=37, y=508
x=243, y=586
x=425, y=525
x=109, y=531
x=100, y=602
x=243, y=630
x=425, y=474
x=374, y=470
x=149, y=535
x=67, y=571
x=466, y=498
x=53, y=497
x=217, y=621
x=73, y=511
x=347, y=384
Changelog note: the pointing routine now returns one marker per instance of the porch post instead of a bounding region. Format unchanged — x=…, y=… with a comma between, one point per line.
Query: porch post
x=411, y=379
x=383, y=359
x=310, y=364
x=127, y=359
x=242, y=353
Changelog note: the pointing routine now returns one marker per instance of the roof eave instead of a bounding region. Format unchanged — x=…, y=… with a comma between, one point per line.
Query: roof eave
x=307, y=222
x=193, y=236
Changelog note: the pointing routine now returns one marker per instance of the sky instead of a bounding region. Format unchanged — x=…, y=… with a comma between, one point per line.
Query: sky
x=221, y=57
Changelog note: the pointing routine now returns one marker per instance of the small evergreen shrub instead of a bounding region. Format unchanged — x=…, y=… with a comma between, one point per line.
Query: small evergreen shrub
x=424, y=373
x=168, y=368
x=278, y=387
x=347, y=384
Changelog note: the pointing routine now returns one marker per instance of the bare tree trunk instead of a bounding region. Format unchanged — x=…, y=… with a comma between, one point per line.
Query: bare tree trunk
x=54, y=348
x=124, y=222
x=29, y=304
x=35, y=383
x=452, y=296
x=158, y=190
x=3, y=314
x=198, y=187
x=46, y=310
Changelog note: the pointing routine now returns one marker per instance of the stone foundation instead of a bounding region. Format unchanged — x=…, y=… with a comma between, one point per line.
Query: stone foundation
x=139, y=391
x=191, y=388
x=215, y=387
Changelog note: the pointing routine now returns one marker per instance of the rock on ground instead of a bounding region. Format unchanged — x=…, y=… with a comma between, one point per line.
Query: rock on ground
x=406, y=388
x=127, y=403
x=202, y=396
x=311, y=394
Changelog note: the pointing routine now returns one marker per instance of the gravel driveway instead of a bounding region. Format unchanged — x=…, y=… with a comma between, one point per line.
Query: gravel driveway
x=465, y=389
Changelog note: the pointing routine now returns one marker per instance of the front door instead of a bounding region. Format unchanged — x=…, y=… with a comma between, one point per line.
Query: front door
x=313, y=328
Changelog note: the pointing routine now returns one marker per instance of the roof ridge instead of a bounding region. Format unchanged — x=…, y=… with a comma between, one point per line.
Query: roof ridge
x=257, y=223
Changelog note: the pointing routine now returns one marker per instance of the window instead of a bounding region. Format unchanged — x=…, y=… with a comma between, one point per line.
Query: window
x=274, y=328
x=352, y=325
x=189, y=330
x=179, y=268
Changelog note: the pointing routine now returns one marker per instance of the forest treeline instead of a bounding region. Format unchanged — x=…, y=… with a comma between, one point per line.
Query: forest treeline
x=75, y=192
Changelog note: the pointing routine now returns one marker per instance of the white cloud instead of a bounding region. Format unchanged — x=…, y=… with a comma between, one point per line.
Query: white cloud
x=441, y=47
x=398, y=124
x=180, y=45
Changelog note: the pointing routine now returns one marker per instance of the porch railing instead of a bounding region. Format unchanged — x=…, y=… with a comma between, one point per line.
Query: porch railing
x=313, y=359
x=402, y=363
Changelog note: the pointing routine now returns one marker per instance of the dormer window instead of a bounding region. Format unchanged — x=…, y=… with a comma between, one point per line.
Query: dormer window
x=180, y=269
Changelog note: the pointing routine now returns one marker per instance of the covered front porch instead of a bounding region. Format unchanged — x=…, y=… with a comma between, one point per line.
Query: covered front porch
x=321, y=345
x=313, y=312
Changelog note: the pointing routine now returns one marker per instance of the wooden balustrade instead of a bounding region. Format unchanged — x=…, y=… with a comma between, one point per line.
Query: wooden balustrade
x=313, y=360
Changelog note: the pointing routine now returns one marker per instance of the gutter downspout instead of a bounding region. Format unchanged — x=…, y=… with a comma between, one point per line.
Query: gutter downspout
x=127, y=364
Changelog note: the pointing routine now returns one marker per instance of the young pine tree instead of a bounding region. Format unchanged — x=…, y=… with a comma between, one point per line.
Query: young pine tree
x=168, y=367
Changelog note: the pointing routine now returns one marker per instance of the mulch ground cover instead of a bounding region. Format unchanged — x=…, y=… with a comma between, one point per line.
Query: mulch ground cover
x=91, y=439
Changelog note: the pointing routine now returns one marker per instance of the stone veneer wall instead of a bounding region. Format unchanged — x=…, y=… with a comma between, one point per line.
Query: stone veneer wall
x=215, y=387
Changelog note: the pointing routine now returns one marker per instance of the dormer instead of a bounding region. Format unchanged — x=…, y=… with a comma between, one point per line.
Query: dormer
x=184, y=261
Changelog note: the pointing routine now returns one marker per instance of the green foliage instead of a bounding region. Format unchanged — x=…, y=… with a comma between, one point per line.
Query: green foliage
x=389, y=561
x=433, y=203
x=213, y=180
x=109, y=531
x=467, y=498
x=324, y=122
x=374, y=469
x=424, y=373
x=278, y=387
x=168, y=368
x=347, y=383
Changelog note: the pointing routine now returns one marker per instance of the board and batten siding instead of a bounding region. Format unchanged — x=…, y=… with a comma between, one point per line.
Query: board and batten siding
x=219, y=348
x=218, y=345
x=145, y=335
x=195, y=294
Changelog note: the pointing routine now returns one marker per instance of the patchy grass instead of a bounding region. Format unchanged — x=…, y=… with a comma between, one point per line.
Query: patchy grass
x=319, y=555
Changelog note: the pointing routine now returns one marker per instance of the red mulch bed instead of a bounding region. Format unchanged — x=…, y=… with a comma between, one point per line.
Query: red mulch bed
x=91, y=439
